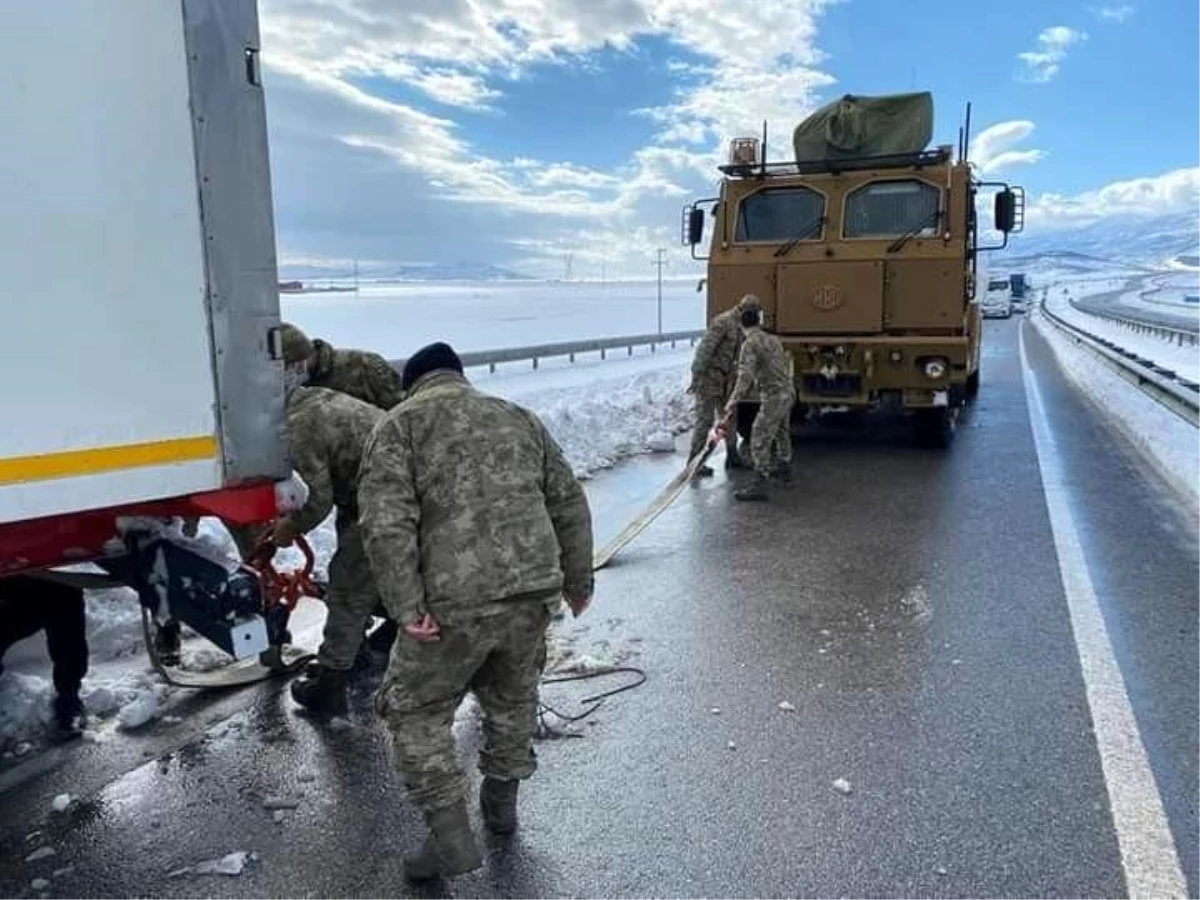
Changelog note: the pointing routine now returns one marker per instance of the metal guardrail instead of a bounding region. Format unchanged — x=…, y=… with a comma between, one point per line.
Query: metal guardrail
x=1177, y=394
x=571, y=349
x=1180, y=336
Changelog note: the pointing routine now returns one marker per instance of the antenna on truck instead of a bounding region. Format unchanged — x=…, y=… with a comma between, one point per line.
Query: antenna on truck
x=967, y=133
x=763, y=169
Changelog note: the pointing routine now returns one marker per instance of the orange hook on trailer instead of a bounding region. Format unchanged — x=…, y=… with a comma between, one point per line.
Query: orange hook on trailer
x=283, y=588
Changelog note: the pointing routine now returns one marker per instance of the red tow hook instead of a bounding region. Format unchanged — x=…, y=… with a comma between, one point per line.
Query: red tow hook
x=283, y=588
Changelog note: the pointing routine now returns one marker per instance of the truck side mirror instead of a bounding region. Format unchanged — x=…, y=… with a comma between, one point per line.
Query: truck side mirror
x=695, y=229
x=1006, y=211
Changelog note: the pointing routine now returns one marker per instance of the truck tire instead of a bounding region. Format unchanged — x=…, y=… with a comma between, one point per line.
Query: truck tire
x=973, y=385
x=935, y=427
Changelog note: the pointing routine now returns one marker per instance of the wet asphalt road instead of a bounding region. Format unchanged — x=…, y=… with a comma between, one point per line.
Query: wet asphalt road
x=1112, y=304
x=907, y=603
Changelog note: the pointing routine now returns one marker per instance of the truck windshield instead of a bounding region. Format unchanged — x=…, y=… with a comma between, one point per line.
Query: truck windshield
x=778, y=214
x=892, y=208
x=998, y=284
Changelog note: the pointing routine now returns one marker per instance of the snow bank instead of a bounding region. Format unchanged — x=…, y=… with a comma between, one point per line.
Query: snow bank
x=600, y=424
x=1170, y=444
x=1184, y=361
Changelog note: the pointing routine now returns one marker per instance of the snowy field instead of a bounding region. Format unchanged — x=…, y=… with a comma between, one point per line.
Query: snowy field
x=1184, y=361
x=396, y=319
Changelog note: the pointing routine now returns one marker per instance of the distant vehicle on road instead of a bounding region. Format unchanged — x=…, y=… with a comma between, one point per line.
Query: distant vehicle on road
x=997, y=300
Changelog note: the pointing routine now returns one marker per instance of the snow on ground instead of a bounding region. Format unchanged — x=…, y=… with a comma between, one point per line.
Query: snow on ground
x=1184, y=361
x=1169, y=443
x=396, y=319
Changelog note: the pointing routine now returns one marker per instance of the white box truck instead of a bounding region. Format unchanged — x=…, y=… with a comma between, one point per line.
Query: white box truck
x=141, y=376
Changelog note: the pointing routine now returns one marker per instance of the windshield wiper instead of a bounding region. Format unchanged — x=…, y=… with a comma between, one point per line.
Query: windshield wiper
x=806, y=231
x=931, y=219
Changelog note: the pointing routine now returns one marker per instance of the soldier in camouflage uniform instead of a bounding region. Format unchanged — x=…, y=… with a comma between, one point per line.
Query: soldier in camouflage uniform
x=714, y=369
x=765, y=365
x=475, y=527
x=359, y=373
x=328, y=431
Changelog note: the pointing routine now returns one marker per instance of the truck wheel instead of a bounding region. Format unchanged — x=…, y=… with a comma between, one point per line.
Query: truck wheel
x=934, y=427
x=973, y=385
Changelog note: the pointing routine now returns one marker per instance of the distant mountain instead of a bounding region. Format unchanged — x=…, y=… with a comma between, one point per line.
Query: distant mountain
x=417, y=272
x=1157, y=242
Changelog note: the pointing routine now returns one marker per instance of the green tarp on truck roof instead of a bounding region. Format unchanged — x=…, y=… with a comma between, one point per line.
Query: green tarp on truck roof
x=855, y=126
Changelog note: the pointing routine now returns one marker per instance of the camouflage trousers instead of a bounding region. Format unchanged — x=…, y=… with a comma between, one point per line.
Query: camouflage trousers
x=500, y=659
x=351, y=599
x=709, y=408
x=771, y=436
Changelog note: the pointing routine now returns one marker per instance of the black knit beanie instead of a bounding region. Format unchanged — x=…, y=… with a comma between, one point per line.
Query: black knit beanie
x=428, y=359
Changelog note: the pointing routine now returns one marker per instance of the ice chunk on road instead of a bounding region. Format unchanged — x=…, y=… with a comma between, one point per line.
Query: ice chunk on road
x=39, y=884
x=229, y=864
x=61, y=802
x=842, y=786
x=40, y=853
x=281, y=803
x=661, y=442
x=786, y=707
x=140, y=710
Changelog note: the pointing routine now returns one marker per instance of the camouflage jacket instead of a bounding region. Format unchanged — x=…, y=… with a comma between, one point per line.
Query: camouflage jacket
x=359, y=373
x=762, y=364
x=327, y=433
x=715, y=363
x=466, y=502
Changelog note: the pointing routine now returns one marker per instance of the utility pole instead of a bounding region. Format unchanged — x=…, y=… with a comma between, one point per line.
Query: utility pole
x=356, y=277
x=660, y=262
x=601, y=274
x=570, y=259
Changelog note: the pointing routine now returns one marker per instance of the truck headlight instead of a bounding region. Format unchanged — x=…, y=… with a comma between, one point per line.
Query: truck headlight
x=935, y=369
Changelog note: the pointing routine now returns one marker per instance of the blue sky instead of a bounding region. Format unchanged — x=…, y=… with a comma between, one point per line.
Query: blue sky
x=515, y=132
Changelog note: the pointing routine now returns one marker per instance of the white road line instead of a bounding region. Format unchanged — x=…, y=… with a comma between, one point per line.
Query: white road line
x=1148, y=855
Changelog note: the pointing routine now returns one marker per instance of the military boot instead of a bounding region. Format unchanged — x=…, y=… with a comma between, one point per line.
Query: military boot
x=756, y=490
x=322, y=690
x=450, y=848
x=69, y=715
x=498, y=802
x=782, y=472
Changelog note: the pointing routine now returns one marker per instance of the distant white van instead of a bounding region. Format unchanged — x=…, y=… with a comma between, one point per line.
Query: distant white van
x=997, y=300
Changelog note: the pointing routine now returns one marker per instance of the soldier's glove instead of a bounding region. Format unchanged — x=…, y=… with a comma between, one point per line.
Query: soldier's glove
x=425, y=629
x=579, y=604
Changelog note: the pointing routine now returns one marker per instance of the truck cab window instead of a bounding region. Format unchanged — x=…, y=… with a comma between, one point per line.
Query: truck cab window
x=892, y=208
x=778, y=214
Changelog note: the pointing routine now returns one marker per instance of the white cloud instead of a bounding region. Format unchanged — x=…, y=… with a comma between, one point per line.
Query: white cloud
x=329, y=63
x=1115, y=12
x=1172, y=192
x=993, y=149
x=1042, y=63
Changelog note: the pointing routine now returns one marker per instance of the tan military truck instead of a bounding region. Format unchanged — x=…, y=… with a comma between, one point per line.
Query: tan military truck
x=863, y=250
